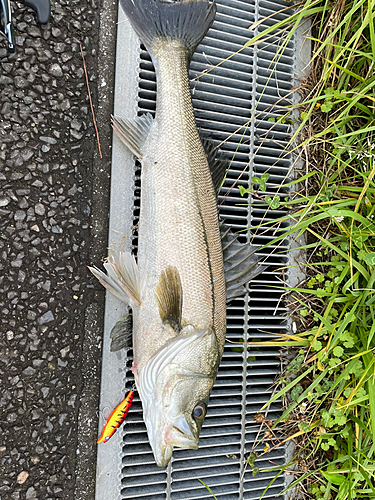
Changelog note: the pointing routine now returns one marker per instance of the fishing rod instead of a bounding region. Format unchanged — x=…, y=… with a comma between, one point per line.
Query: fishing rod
x=42, y=9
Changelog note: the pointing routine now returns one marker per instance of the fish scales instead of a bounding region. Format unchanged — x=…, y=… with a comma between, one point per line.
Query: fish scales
x=177, y=290
x=177, y=287
x=178, y=222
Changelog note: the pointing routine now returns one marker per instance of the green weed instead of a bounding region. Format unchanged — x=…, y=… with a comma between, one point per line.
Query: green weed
x=329, y=386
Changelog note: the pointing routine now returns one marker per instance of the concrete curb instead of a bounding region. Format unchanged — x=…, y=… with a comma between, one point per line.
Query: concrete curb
x=94, y=316
x=120, y=227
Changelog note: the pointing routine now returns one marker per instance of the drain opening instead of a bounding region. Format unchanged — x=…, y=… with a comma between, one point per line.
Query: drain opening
x=233, y=104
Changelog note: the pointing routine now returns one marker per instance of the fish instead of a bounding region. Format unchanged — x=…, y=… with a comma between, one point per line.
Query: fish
x=189, y=263
x=116, y=418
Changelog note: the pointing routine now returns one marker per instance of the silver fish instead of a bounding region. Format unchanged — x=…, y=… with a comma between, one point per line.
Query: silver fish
x=181, y=281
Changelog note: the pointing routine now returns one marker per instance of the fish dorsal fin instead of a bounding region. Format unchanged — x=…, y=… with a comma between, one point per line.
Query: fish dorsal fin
x=216, y=161
x=133, y=133
x=121, y=333
x=123, y=279
x=240, y=263
x=169, y=297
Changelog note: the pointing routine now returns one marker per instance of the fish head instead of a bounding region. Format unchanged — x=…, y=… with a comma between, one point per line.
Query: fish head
x=174, y=387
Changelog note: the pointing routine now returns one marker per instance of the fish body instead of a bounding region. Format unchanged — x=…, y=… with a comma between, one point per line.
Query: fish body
x=178, y=224
x=116, y=418
x=179, y=230
x=179, y=285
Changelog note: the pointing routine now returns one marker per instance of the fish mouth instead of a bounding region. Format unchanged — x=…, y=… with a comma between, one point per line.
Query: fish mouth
x=173, y=438
x=163, y=456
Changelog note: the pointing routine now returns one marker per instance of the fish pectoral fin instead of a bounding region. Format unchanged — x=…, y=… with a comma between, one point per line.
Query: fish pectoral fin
x=123, y=279
x=133, y=133
x=121, y=333
x=169, y=297
x=217, y=163
x=240, y=263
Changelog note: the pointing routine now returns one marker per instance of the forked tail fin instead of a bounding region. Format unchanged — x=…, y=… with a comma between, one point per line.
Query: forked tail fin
x=158, y=20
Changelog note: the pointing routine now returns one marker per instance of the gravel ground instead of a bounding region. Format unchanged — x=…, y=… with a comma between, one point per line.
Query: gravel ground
x=53, y=222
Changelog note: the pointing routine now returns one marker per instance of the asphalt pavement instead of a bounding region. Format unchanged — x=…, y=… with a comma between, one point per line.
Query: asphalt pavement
x=54, y=201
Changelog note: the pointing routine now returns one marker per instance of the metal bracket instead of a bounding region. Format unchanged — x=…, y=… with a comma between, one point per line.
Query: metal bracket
x=42, y=9
x=6, y=23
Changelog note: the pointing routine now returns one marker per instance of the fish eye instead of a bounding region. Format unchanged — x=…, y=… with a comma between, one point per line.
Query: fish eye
x=200, y=411
x=106, y=438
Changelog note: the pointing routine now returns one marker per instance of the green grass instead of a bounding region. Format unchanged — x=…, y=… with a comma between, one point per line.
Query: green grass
x=330, y=384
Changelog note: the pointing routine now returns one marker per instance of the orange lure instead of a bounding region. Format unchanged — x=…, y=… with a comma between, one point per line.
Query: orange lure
x=116, y=418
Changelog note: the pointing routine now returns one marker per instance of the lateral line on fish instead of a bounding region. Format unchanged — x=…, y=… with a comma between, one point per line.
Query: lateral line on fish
x=206, y=249
x=208, y=257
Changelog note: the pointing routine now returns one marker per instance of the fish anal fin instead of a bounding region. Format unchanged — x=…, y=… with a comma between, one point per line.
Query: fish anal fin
x=121, y=333
x=217, y=163
x=169, y=297
x=240, y=263
x=133, y=133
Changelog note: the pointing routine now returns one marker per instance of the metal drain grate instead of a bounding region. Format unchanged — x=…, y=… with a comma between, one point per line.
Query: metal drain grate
x=233, y=103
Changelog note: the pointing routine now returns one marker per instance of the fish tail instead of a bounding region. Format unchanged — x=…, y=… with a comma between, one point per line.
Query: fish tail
x=157, y=20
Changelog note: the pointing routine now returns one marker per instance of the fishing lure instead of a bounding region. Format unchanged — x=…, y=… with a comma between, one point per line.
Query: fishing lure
x=116, y=418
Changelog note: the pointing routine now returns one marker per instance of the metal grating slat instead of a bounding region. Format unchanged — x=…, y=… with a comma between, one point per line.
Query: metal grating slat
x=235, y=93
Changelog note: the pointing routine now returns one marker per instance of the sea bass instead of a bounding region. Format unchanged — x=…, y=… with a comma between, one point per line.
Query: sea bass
x=188, y=264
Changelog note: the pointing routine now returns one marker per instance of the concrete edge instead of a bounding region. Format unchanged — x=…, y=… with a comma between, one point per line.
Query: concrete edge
x=103, y=96
x=108, y=477
x=302, y=57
